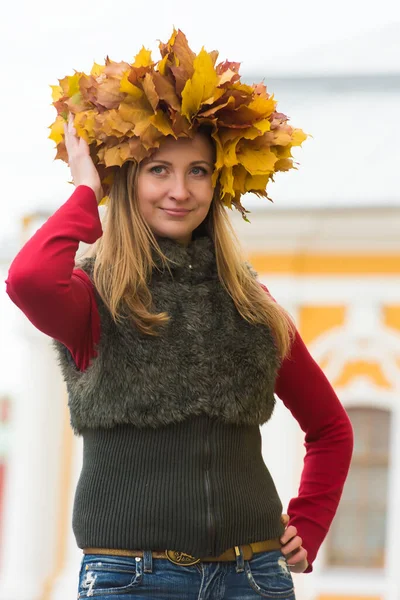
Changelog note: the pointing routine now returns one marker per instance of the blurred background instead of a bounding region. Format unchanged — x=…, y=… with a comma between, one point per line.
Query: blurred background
x=328, y=248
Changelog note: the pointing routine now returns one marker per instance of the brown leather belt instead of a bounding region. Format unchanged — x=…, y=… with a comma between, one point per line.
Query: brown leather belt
x=181, y=558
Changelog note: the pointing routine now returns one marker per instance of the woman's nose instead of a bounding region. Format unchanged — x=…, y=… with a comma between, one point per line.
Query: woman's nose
x=179, y=190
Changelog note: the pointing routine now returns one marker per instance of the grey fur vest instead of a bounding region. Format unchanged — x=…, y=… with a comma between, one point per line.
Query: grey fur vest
x=208, y=359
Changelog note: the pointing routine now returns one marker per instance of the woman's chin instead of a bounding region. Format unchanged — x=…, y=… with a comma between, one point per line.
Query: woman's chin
x=174, y=232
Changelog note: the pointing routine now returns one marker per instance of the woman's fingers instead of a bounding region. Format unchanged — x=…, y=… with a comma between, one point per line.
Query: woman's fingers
x=298, y=563
x=292, y=546
x=285, y=519
x=288, y=534
x=81, y=165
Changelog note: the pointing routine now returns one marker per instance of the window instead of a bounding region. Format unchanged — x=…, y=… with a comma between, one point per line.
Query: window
x=358, y=532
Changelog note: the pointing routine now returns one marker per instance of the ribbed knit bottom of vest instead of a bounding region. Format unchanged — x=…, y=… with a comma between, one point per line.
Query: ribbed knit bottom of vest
x=199, y=486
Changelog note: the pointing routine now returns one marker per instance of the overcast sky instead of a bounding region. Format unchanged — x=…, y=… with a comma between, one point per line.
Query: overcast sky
x=43, y=41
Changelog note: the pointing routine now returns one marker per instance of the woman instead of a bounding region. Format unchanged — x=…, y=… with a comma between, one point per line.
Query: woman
x=172, y=351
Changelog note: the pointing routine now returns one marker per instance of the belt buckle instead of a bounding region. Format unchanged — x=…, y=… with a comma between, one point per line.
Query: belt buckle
x=181, y=558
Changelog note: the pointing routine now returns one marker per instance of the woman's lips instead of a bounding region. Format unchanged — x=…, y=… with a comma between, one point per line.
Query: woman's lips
x=176, y=212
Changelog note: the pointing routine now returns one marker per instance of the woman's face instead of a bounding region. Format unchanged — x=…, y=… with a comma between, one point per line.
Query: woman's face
x=174, y=187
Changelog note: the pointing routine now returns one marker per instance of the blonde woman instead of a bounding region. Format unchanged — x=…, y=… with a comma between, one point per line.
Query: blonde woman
x=172, y=353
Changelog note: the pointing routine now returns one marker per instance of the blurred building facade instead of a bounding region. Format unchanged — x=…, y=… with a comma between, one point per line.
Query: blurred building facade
x=329, y=251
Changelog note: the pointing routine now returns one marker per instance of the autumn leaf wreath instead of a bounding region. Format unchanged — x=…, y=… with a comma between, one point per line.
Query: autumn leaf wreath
x=124, y=110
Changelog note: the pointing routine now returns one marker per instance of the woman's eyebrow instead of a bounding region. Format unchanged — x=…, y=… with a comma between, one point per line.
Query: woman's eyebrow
x=169, y=164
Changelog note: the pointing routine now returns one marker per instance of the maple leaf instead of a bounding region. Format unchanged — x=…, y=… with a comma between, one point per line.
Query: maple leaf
x=70, y=84
x=166, y=48
x=257, y=161
x=298, y=137
x=113, y=124
x=143, y=58
x=57, y=130
x=57, y=92
x=162, y=123
x=185, y=56
x=283, y=164
x=138, y=117
x=85, y=125
x=116, y=155
x=166, y=90
x=108, y=93
x=226, y=180
x=126, y=87
x=201, y=86
x=114, y=69
x=254, y=183
x=62, y=153
x=96, y=70
x=240, y=174
x=150, y=91
x=180, y=124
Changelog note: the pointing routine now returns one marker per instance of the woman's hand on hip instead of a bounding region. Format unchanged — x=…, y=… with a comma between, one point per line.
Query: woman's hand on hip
x=292, y=548
x=80, y=162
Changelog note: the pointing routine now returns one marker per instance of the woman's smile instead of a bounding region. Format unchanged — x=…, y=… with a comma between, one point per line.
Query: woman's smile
x=176, y=212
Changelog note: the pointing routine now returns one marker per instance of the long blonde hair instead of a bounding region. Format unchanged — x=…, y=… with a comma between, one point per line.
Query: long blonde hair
x=124, y=261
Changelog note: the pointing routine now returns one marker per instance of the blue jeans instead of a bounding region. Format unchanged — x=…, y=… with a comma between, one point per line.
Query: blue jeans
x=266, y=575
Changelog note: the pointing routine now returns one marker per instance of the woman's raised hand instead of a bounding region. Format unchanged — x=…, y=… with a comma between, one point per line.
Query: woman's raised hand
x=80, y=163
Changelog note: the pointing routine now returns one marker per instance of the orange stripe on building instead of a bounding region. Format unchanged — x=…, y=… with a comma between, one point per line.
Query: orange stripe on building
x=347, y=597
x=326, y=264
x=316, y=320
x=391, y=316
x=359, y=368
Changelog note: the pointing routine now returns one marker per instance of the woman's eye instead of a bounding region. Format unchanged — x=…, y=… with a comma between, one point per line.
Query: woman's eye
x=199, y=171
x=158, y=170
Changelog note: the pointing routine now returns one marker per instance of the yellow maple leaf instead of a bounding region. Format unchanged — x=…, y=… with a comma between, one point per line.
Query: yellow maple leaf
x=282, y=151
x=162, y=64
x=230, y=157
x=256, y=182
x=201, y=86
x=161, y=122
x=219, y=161
x=85, y=124
x=262, y=106
x=113, y=157
x=218, y=93
x=56, y=92
x=97, y=70
x=242, y=87
x=143, y=58
x=263, y=125
x=140, y=118
x=298, y=137
x=70, y=84
x=57, y=130
x=240, y=174
x=257, y=161
x=226, y=181
x=170, y=42
x=128, y=88
x=114, y=125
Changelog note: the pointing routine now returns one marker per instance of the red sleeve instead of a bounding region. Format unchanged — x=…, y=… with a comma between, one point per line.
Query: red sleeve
x=58, y=299
x=307, y=393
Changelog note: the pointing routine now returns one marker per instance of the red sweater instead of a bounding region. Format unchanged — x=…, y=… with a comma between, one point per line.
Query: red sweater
x=59, y=300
